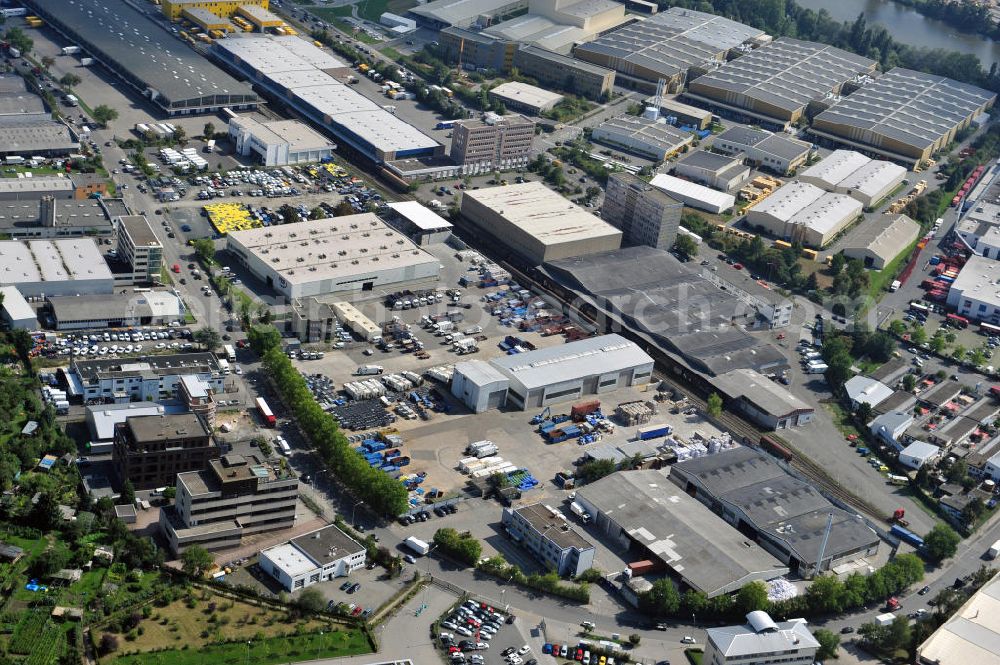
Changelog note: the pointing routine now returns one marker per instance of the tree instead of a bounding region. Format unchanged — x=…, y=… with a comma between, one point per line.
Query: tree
x=837, y=262
x=864, y=413
x=170, y=492
x=918, y=336
x=180, y=135
x=208, y=131
x=19, y=40
x=69, y=80
x=104, y=114
x=634, y=639
x=311, y=601
x=938, y=344
x=208, y=338
x=686, y=247
x=714, y=405
x=48, y=61
x=941, y=543
x=825, y=595
x=957, y=471
x=752, y=597
x=317, y=213
x=205, y=250
x=973, y=510
x=263, y=338
x=195, y=560
x=661, y=600
x=829, y=644
x=595, y=470
x=127, y=495
x=897, y=327
x=108, y=643
x=343, y=209
x=909, y=382
x=50, y=561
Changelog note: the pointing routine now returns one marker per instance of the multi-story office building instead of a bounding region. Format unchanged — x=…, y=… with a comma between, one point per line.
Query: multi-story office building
x=645, y=214
x=547, y=534
x=495, y=143
x=761, y=641
x=139, y=248
x=235, y=496
x=150, y=451
x=141, y=379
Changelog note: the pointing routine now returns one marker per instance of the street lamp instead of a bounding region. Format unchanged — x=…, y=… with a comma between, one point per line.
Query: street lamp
x=319, y=644
x=248, y=652
x=353, y=508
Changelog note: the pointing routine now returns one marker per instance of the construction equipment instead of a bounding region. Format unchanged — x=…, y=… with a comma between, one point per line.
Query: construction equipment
x=541, y=416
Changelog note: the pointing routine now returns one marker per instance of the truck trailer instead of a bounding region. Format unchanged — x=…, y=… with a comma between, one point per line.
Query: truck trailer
x=417, y=545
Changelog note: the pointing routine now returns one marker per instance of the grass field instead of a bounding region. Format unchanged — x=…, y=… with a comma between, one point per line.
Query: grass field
x=181, y=634
x=269, y=651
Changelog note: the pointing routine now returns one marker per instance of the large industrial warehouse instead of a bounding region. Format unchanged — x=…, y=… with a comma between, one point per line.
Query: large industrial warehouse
x=60, y=267
x=877, y=242
x=696, y=316
x=536, y=223
x=333, y=256
x=667, y=45
x=905, y=116
x=804, y=213
x=641, y=136
x=774, y=84
x=789, y=516
x=143, y=54
x=302, y=76
x=848, y=172
x=644, y=511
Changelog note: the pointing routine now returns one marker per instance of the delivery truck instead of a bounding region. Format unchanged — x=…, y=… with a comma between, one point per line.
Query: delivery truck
x=994, y=550
x=369, y=370
x=417, y=545
x=580, y=512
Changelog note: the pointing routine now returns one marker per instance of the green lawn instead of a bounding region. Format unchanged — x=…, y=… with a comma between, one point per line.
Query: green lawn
x=880, y=279
x=694, y=655
x=330, y=13
x=269, y=651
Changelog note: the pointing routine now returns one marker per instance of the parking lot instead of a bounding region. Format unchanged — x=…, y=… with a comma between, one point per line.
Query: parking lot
x=475, y=632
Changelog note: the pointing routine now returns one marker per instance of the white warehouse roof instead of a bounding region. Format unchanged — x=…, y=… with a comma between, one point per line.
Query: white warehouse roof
x=788, y=201
x=828, y=172
x=828, y=212
x=693, y=194
x=872, y=178
x=569, y=362
x=62, y=259
x=271, y=53
x=15, y=305
x=420, y=216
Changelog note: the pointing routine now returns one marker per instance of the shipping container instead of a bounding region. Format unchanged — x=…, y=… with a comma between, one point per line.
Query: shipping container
x=652, y=432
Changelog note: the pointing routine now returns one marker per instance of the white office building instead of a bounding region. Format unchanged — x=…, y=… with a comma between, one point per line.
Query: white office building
x=974, y=293
x=141, y=379
x=318, y=556
x=761, y=641
x=279, y=143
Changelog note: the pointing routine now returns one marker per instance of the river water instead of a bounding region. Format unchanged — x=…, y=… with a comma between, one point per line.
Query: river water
x=909, y=27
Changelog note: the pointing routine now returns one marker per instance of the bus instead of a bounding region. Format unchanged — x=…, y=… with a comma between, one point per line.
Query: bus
x=265, y=412
x=897, y=480
x=989, y=329
x=782, y=244
x=958, y=321
x=920, y=307
x=445, y=124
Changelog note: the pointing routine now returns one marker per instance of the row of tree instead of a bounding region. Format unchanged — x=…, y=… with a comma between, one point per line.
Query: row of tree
x=377, y=489
x=826, y=595
x=461, y=546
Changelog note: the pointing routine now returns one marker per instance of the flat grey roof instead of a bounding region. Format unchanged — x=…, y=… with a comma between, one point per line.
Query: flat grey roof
x=139, y=230
x=21, y=104
x=42, y=184
x=36, y=136
x=768, y=396
x=708, y=553
x=166, y=427
x=711, y=161
x=20, y=216
x=146, y=54
x=677, y=308
x=326, y=545
x=978, y=279
x=787, y=73
x=560, y=59
x=15, y=305
x=555, y=529
x=780, y=506
x=459, y=12
x=180, y=363
x=574, y=360
x=671, y=42
x=908, y=107
x=102, y=418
